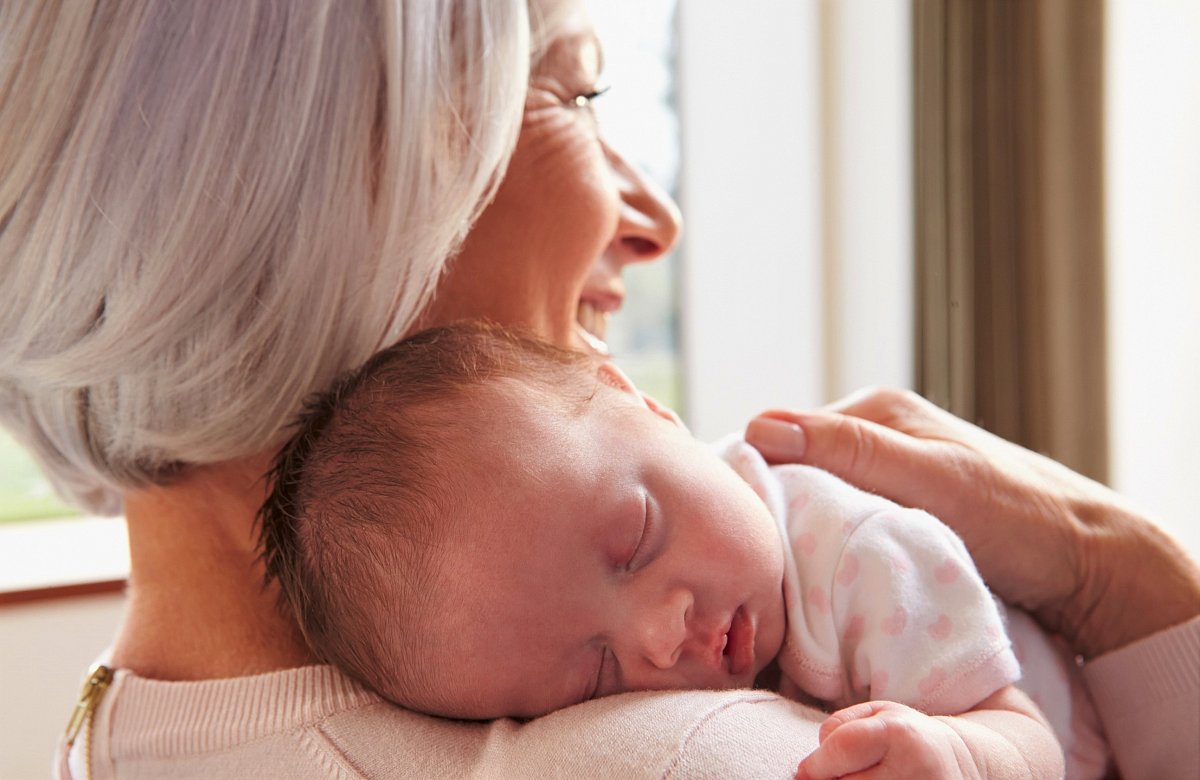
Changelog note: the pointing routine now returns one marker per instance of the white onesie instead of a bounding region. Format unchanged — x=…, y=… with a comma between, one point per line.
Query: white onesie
x=884, y=602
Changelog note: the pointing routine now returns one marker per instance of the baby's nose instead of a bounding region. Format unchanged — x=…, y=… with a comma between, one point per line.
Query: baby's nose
x=664, y=631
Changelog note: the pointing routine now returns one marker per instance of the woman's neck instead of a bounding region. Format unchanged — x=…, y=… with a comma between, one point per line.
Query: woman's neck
x=196, y=607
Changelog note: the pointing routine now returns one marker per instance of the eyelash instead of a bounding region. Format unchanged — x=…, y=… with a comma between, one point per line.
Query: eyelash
x=637, y=548
x=584, y=100
x=604, y=653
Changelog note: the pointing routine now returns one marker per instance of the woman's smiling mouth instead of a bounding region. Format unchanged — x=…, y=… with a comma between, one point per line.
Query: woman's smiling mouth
x=592, y=317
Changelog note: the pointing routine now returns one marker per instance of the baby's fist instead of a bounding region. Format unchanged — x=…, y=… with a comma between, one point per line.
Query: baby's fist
x=896, y=740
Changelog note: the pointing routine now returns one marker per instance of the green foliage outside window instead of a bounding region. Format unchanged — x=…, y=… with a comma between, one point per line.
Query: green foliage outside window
x=24, y=492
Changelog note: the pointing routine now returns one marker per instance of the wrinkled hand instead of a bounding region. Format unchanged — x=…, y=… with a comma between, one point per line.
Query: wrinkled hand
x=1045, y=538
x=891, y=741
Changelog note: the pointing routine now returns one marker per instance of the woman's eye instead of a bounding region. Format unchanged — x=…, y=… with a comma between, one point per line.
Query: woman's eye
x=585, y=99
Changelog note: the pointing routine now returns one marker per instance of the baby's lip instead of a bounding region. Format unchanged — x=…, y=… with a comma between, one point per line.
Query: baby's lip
x=738, y=650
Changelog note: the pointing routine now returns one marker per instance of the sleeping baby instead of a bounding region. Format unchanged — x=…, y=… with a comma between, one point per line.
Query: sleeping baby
x=478, y=525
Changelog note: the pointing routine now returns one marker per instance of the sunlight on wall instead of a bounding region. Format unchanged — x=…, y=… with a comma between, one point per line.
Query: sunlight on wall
x=1154, y=257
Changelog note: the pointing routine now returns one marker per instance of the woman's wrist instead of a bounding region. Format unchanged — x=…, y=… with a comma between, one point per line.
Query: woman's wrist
x=1136, y=581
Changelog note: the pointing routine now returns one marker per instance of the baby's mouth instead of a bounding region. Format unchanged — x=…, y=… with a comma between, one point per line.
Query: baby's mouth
x=738, y=649
x=593, y=327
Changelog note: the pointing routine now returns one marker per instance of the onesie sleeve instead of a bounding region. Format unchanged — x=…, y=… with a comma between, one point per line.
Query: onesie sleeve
x=890, y=599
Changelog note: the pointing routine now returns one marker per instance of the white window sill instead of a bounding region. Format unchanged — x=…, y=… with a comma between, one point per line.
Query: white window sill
x=45, y=558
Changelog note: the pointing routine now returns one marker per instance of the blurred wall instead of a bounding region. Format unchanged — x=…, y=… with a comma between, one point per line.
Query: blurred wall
x=795, y=185
x=1153, y=162
x=46, y=648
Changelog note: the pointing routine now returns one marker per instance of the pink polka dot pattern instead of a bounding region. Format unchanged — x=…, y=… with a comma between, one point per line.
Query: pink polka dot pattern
x=806, y=543
x=855, y=629
x=940, y=629
x=932, y=681
x=947, y=572
x=894, y=623
x=848, y=570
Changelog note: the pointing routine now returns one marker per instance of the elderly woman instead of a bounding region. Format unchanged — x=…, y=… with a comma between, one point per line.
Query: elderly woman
x=209, y=210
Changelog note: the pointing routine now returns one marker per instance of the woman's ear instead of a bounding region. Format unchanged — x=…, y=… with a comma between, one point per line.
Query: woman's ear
x=614, y=377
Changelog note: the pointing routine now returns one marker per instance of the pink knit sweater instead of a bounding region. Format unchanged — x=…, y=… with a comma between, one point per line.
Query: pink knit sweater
x=316, y=723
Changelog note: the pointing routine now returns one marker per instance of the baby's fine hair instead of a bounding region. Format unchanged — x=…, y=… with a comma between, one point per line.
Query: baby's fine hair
x=368, y=486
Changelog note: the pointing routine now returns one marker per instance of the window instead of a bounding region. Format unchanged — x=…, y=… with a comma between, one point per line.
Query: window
x=24, y=493
x=638, y=117
x=796, y=191
x=1152, y=163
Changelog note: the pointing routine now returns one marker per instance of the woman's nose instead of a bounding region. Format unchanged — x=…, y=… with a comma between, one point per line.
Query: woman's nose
x=662, y=629
x=649, y=222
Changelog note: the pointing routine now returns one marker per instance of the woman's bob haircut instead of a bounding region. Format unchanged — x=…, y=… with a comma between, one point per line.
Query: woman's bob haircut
x=209, y=210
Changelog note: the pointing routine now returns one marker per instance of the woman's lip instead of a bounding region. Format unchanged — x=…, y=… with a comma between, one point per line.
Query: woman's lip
x=592, y=315
x=605, y=301
x=739, y=643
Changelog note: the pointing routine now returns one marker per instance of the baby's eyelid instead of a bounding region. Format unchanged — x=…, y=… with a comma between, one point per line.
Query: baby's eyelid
x=641, y=542
x=599, y=673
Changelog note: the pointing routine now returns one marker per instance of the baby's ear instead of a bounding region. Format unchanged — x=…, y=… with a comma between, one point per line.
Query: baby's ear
x=615, y=377
x=665, y=412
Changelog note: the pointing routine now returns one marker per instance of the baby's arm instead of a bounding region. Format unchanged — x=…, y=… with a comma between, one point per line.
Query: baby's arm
x=1004, y=736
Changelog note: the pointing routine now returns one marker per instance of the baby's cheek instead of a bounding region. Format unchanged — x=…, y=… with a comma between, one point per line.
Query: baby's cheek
x=772, y=628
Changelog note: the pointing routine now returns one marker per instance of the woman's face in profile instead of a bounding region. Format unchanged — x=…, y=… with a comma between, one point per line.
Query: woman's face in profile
x=548, y=252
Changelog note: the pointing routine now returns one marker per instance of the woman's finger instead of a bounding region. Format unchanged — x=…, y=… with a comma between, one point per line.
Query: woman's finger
x=866, y=454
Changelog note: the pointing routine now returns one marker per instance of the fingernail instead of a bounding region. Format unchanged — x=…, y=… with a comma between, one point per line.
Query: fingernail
x=777, y=440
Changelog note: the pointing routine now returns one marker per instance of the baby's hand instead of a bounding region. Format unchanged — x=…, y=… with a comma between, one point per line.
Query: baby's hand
x=890, y=739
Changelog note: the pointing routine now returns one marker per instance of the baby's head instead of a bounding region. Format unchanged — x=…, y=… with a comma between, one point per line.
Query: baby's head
x=479, y=525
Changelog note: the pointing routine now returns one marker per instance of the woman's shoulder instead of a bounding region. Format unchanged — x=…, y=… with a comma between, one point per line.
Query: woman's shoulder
x=694, y=734
x=233, y=727
x=316, y=722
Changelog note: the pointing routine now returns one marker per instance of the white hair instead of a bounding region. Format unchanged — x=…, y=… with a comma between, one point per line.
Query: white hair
x=208, y=210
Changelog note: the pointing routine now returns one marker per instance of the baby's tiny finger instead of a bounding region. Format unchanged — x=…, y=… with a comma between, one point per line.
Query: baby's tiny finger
x=851, y=747
x=845, y=715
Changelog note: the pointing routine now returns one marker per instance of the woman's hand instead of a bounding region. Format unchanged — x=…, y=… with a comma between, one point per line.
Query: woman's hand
x=1045, y=538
